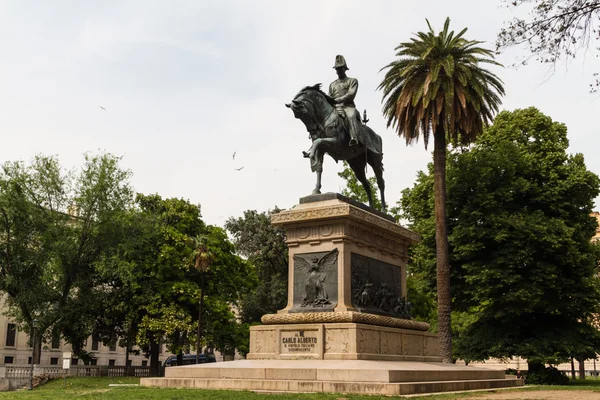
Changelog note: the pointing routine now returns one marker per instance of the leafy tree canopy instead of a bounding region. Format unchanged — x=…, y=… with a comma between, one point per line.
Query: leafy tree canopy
x=154, y=286
x=263, y=245
x=54, y=226
x=520, y=233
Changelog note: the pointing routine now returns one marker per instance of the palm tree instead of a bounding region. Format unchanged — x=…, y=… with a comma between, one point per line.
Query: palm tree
x=437, y=85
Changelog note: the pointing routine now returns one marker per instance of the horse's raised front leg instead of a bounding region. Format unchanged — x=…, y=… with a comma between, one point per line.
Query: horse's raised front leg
x=317, y=152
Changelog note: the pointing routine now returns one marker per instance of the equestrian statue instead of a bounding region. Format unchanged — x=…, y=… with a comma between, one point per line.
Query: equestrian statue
x=335, y=128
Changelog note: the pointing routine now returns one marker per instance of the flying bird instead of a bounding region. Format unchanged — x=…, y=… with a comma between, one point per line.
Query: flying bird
x=234, y=155
x=102, y=108
x=239, y=169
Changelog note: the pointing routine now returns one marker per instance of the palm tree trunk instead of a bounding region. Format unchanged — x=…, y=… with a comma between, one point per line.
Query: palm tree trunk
x=441, y=245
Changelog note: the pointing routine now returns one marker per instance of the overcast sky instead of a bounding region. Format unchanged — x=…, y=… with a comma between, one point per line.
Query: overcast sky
x=185, y=84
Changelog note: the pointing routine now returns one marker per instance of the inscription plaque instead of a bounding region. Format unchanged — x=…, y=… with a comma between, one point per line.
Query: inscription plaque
x=300, y=342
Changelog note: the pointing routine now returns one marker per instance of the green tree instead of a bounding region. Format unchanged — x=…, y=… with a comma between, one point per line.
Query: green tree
x=54, y=226
x=151, y=285
x=229, y=280
x=523, y=265
x=555, y=30
x=263, y=245
x=356, y=191
x=438, y=86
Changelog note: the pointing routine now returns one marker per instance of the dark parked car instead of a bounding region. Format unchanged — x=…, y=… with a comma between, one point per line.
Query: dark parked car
x=189, y=359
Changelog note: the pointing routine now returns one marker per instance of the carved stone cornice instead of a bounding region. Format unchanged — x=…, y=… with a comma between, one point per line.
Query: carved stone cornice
x=365, y=216
x=373, y=237
x=310, y=214
x=295, y=216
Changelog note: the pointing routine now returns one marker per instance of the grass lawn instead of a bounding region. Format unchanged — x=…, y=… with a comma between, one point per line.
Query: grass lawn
x=97, y=388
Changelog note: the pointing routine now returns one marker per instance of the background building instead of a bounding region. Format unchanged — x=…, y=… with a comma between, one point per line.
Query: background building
x=15, y=349
x=597, y=235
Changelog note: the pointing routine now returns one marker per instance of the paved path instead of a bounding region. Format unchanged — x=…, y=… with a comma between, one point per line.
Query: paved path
x=541, y=395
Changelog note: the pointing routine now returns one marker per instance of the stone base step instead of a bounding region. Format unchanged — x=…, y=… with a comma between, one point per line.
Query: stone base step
x=334, y=370
x=334, y=376
x=296, y=386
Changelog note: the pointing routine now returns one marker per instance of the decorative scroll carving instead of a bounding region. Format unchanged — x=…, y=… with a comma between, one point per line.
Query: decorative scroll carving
x=412, y=344
x=343, y=316
x=306, y=233
x=337, y=341
x=257, y=344
x=314, y=213
x=368, y=341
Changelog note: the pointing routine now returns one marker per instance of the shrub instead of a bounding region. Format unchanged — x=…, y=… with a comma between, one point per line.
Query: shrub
x=547, y=376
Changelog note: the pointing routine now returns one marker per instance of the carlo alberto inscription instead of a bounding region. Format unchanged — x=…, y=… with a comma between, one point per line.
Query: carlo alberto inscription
x=300, y=342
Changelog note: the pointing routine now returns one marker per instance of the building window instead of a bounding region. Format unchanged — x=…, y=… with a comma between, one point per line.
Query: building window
x=129, y=363
x=11, y=335
x=55, y=340
x=95, y=344
x=29, y=361
x=74, y=361
x=113, y=347
x=8, y=359
x=144, y=363
x=94, y=361
x=54, y=361
x=111, y=363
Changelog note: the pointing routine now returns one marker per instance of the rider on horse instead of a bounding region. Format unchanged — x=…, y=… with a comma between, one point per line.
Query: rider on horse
x=343, y=91
x=330, y=120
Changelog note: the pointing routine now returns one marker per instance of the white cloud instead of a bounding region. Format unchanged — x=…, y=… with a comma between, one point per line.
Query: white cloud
x=186, y=83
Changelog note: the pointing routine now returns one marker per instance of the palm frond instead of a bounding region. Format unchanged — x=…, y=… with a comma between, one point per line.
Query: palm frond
x=437, y=82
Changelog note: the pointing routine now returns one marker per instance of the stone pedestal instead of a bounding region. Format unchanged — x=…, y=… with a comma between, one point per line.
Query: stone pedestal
x=347, y=288
x=371, y=250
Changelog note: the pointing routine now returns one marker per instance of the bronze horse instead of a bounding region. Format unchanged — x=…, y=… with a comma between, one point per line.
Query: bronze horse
x=329, y=133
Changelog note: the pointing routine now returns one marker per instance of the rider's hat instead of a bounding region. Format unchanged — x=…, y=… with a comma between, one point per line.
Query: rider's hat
x=340, y=61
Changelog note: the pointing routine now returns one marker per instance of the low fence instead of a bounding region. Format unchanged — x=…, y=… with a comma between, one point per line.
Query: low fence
x=24, y=371
x=105, y=370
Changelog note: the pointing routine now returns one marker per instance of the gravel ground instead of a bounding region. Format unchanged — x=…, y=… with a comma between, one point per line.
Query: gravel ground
x=542, y=395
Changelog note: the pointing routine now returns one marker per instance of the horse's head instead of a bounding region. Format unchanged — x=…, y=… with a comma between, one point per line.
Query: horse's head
x=309, y=106
x=302, y=103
